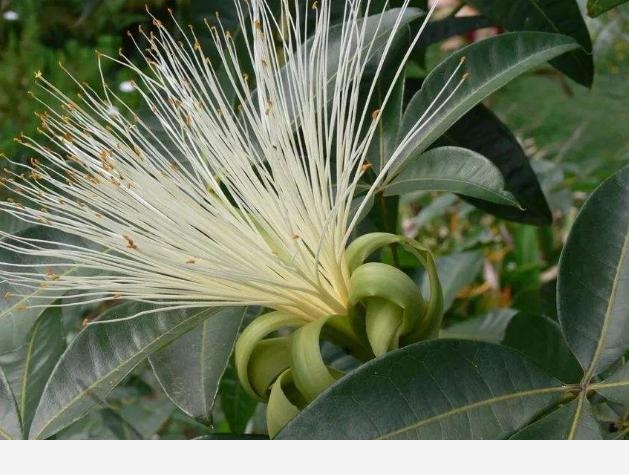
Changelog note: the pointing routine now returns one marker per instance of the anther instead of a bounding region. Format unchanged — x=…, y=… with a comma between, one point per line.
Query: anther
x=130, y=243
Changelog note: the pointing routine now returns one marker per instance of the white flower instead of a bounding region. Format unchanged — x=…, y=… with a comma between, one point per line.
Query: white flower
x=10, y=15
x=233, y=206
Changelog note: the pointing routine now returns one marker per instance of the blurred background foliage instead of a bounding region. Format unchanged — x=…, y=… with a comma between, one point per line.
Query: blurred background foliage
x=574, y=137
x=491, y=268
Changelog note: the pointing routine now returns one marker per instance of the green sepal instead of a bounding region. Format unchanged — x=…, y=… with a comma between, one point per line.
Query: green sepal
x=383, y=323
x=427, y=327
x=269, y=359
x=280, y=410
x=375, y=279
x=363, y=246
x=309, y=371
x=393, y=304
x=251, y=336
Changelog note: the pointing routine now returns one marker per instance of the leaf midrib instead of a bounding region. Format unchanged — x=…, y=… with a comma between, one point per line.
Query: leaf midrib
x=585, y=383
x=487, y=86
x=27, y=362
x=611, y=302
x=476, y=405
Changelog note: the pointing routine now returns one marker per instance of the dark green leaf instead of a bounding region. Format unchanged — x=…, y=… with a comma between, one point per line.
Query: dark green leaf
x=593, y=282
x=584, y=425
x=103, y=424
x=540, y=339
x=13, y=366
x=615, y=387
x=451, y=26
x=44, y=346
x=480, y=130
x=383, y=143
x=237, y=405
x=560, y=424
x=552, y=16
x=452, y=169
x=598, y=7
x=101, y=356
x=12, y=225
x=492, y=63
x=190, y=368
x=10, y=427
x=146, y=417
x=432, y=390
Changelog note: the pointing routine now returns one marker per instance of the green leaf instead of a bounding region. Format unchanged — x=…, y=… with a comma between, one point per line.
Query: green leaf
x=146, y=417
x=190, y=368
x=431, y=390
x=492, y=63
x=102, y=355
x=113, y=422
x=451, y=26
x=44, y=346
x=456, y=271
x=481, y=131
x=12, y=225
x=13, y=366
x=103, y=424
x=489, y=327
x=552, y=16
x=17, y=313
x=383, y=143
x=452, y=169
x=615, y=387
x=593, y=281
x=237, y=405
x=560, y=425
x=10, y=427
x=540, y=339
x=598, y=7
x=584, y=425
